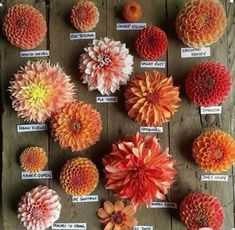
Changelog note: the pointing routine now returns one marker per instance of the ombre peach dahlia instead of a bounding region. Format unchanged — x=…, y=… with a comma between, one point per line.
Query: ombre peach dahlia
x=132, y=11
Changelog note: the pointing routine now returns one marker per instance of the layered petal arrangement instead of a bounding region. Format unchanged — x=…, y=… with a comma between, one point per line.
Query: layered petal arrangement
x=39, y=208
x=105, y=65
x=132, y=11
x=208, y=83
x=24, y=26
x=79, y=176
x=199, y=210
x=214, y=151
x=39, y=89
x=151, y=43
x=117, y=216
x=76, y=126
x=201, y=22
x=84, y=16
x=151, y=98
x=137, y=169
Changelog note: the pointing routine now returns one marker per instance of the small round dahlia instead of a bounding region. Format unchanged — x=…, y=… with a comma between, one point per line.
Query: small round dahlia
x=84, y=16
x=151, y=43
x=199, y=210
x=39, y=208
x=208, y=83
x=138, y=169
x=24, y=26
x=39, y=89
x=151, y=98
x=33, y=159
x=214, y=151
x=132, y=11
x=105, y=65
x=76, y=125
x=201, y=22
x=79, y=176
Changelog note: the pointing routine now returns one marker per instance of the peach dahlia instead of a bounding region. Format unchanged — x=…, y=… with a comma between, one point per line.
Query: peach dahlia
x=132, y=11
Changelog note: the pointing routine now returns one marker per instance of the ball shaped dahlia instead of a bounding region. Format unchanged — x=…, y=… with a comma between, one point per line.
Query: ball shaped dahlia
x=151, y=98
x=105, y=65
x=201, y=22
x=199, y=210
x=24, y=26
x=39, y=208
x=151, y=43
x=33, y=159
x=132, y=11
x=137, y=169
x=79, y=176
x=76, y=125
x=84, y=16
x=39, y=89
x=214, y=151
x=208, y=83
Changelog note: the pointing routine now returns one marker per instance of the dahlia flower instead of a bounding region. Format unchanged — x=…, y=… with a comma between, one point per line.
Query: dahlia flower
x=105, y=65
x=137, y=169
x=132, y=11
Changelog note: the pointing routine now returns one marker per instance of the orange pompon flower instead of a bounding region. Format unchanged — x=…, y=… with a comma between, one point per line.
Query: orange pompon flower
x=117, y=216
x=79, y=176
x=201, y=22
x=214, y=151
x=137, y=169
x=33, y=159
x=132, y=11
x=151, y=98
x=76, y=125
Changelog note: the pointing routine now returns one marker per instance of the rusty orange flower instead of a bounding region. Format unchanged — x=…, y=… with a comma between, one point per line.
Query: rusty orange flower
x=132, y=11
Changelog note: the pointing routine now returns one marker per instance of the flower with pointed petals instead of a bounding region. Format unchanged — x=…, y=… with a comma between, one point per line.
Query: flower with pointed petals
x=132, y=11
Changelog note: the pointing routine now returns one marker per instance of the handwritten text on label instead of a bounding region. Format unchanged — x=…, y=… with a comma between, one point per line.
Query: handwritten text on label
x=195, y=52
x=142, y=228
x=107, y=99
x=152, y=64
x=35, y=53
x=82, y=199
x=211, y=110
x=38, y=175
x=130, y=26
x=214, y=177
x=81, y=36
x=151, y=129
x=31, y=128
x=76, y=226
x=156, y=204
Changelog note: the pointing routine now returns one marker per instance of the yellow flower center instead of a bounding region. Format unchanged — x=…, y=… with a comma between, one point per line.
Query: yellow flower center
x=37, y=92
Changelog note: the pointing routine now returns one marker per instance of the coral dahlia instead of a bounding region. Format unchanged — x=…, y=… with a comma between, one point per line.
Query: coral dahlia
x=105, y=65
x=208, y=83
x=24, y=26
x=132, y=11
x=137, y=169
x=39, y=208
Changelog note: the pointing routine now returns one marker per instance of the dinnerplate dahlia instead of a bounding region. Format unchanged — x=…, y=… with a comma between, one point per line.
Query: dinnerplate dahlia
x=132, y=11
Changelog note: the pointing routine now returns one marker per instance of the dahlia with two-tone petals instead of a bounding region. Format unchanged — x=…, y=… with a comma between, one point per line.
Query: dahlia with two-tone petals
x=132, y=11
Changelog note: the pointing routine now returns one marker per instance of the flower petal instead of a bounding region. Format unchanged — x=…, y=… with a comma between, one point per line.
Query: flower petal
x=119, y=206
x=108, y=207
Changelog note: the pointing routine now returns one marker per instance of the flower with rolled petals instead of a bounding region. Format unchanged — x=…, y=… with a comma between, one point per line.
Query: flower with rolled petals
x=132, y=11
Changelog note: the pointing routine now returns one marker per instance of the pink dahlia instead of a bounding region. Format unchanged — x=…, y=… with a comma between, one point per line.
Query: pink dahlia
x=105, y=65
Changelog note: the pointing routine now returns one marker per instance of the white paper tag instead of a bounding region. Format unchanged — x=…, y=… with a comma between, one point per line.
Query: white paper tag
x=82, y=36
x=76, y=226
x=195, y=52
x=31, y=128
x=214, y=177
x=83, y=199
x=146, y=129
x=142, y=228
x=107, y=99
x=156, y=204
x=211, y=110
x=38, y=175
x=153, y=64
x=205, y=229
x=232, y=1
x=35, y=53
x=130, y=26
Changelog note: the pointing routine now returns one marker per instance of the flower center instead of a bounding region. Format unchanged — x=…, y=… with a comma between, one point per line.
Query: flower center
x=37, y=211
x=117, y=217
x=152, y=97
x=133, y=9
x=202, y=219
x=81, y=14
x=103, y=60
x=203, y=20
x=21, y=23
x=152, y=40
x=75, y=126
x=218, y=154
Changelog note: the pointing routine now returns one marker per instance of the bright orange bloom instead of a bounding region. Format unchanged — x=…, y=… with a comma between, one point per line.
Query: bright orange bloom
x=132, y=11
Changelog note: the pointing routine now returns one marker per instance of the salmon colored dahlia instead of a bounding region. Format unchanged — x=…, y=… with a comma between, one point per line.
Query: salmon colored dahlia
x=105, y=65
x=84, y=16
x=208, y=83
x=151, y=98
x=39, y=208
x=199, y=210
x=214, y=151
x=138, y=169
x=79, y=176
x=24, y=26
x=132, y=11
x=117, y=216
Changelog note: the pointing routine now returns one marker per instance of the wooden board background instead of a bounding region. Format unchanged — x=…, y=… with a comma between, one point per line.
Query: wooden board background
x=178, y=134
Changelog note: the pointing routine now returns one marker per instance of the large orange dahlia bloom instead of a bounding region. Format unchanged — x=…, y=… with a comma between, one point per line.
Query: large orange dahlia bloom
x=132, y=11
x=137, y=169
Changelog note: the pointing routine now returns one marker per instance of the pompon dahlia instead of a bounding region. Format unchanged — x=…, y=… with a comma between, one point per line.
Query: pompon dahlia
x=151, y=98
x=199, y=210
x=151, y=43
x=39, y=208
x=132, y=11
x=79, y=176
x=201, y=22
x=208, y=83
x=39, y=89
x=214, y=151
x=84, y=16
x=24, y=26
x=137, y=169
x=76, y=125
x=105, y=65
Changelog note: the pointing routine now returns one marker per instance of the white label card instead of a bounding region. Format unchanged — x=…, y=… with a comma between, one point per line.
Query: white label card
x=82, y=36
x=232, y=1
x=130, y=26
x=76, y=226
x=205, y=229
x=38, y=175
x=31, y=128
x=107, y=99
x=195, y=52
x=142, y=228
x=83, y=199
x=214, y=177
x=153, y=64
x=211, y=110
x=156, y=204
x=35, y=53
x=146, y=129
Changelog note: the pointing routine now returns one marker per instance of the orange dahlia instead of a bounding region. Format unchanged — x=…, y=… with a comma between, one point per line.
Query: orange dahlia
x=132, y=11
x=117, y=216
x=76, y=125
x=33, y=159
x=151, y=98
x=214, y=151
x=84, y=15
x=137, y=169
x=201, y=22
x=79, y=176
x=24, y=26
x=199, y=210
